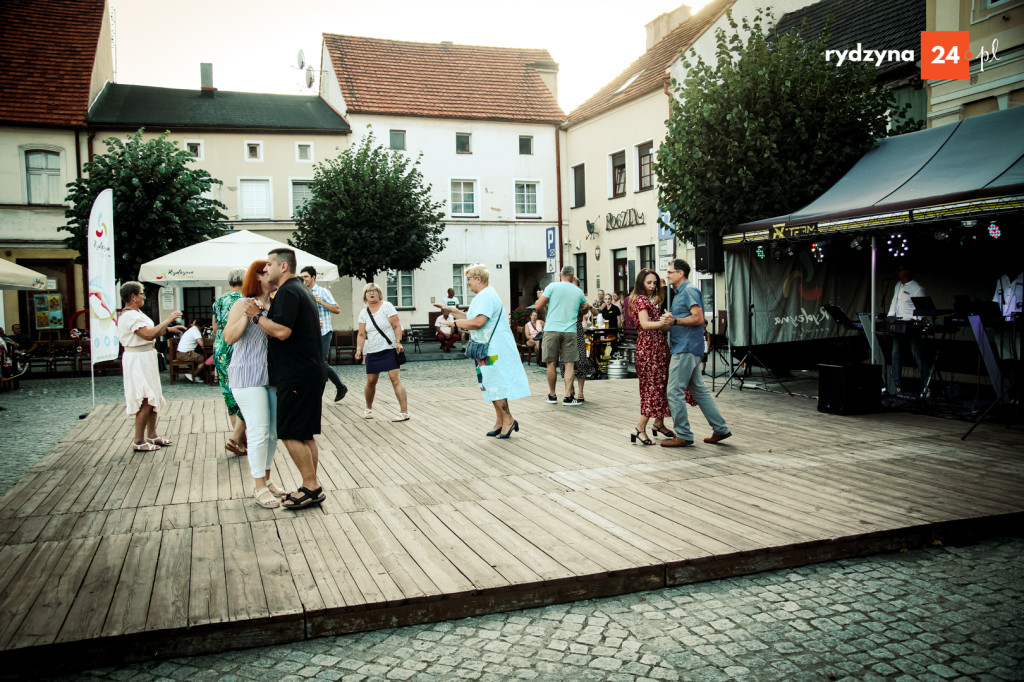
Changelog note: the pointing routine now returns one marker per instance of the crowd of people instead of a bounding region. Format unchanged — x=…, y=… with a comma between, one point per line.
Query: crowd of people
x=272, y=330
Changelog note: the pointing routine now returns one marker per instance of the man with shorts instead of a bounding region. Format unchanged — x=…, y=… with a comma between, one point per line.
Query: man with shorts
x=325, y=305
x=296, y=369
x=560, y=331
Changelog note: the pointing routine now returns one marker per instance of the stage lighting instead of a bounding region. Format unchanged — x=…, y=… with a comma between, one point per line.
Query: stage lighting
x=993, y=230
x=898, y=245
x=941, y=235
x=818, y=249
x=778, y=255
x=759, y=251
x=968, y=223
x=857, y=244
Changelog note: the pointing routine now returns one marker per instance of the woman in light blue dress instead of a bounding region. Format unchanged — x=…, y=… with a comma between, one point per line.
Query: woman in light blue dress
x=500, y=376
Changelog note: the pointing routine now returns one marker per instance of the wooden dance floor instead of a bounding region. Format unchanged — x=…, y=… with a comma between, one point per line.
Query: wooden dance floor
x=109, y=554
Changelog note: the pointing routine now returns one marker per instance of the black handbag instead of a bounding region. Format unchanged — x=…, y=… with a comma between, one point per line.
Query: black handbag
x=478, y=351
x=399, y=355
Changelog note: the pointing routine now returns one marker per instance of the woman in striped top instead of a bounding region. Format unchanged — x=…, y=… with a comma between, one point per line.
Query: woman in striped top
x=247, y=378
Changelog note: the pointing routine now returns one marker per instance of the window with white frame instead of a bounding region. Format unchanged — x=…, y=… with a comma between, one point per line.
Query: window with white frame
x=254, y=199
x=579, y=186
x=618, y=163
x=463, y=199
x=400, y=292
x=195, y=148
x=302, y=191
x=253, y=150
x=304, y=152
x=645, y=166
x=526, y=200
x=463, y=143
x=526, y=144
x=462, y=292
x=42, y=170
x=397, y=139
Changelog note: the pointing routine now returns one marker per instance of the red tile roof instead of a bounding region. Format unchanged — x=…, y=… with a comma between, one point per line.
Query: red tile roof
x=651, y=70
x=47, y=51
x=442, y=80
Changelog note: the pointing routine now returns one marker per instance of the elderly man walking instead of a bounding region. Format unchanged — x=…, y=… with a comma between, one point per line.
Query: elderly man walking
x=325, y=305
x=560, y=331
x=296, y=369
x=686, y=341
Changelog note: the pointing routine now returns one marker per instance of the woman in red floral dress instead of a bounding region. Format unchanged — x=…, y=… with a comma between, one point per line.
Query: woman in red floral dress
x=652, y=356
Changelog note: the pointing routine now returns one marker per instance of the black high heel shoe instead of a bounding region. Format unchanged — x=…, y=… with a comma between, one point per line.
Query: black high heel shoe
x=668, y=433
x=492, y=434
x=642, y=435
x=514, y=427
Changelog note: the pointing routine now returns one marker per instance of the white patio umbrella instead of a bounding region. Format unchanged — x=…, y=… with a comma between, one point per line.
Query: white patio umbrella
x=14, y=276
x=210, y=261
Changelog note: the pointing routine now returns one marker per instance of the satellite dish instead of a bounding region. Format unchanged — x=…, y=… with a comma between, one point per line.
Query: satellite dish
x=302, y=59
x=309, y=76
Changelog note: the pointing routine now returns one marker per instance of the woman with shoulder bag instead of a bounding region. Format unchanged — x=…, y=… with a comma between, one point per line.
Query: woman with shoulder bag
x=380, y=342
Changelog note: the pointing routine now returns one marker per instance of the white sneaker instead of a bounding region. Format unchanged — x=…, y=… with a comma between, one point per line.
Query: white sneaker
x=189, y=376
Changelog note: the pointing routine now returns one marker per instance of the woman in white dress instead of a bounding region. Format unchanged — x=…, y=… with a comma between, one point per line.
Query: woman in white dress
x=143, y=394
x=500, y=375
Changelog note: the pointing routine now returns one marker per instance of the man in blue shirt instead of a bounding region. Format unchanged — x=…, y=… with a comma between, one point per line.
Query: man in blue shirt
x=686, y=341
x=325, y=305
x=560, y=331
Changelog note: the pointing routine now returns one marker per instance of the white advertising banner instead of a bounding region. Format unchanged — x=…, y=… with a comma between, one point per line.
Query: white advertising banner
x=102, y=287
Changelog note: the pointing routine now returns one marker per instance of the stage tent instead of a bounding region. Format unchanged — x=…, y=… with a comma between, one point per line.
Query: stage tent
x=935, y=178
x=14, y=276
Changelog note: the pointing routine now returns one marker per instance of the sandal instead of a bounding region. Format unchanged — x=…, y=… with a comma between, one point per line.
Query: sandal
x=661, y=428
x=308, y=498
x=231, y=446
x=145, y=446
x=277, y=490
x=367, y=414
x=158, y=441
x=266, y=502
x=402, y=417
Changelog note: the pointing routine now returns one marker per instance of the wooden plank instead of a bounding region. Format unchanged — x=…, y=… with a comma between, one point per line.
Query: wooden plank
x=374, y=582
x=129, y=607
x=298, y=568
x=246, y=598
x=461, y=557
x=282, y=597
x=446, y=576
x=409, y=577
x=207, y=600
x=168, y=606
x=176, y=516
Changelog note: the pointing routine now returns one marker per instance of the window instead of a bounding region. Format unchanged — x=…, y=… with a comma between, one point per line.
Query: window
x=526, y=199
x=302, y=191
x=398, y=139
x=463, y=197
x=253, y=151
x=195, y=148
x=647, y=257
x=254, y=199
x=579, y=186
x=644, y=162
x=462, y=292
x=618, y=174
x=581, y=270
x=462, y=143
x=400, y=288
x=525, y=144
x=42, y=171
x=304, y=152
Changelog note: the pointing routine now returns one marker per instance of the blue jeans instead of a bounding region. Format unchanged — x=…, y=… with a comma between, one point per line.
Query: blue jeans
x=683, y=373
x=899, y=344
x=325, y=347
x=259, y=405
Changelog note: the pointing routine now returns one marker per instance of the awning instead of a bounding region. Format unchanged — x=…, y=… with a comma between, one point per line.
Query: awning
x=210, y=261
x=14, y=276
x=974, y=166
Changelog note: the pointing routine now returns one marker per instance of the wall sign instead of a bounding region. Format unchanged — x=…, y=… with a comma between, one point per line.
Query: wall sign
x=628, y=218
x=597, y=253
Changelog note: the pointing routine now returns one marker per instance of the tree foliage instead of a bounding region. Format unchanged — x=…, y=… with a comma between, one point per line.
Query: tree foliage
x=766, y=129
x=370, y=212
x=159, y=205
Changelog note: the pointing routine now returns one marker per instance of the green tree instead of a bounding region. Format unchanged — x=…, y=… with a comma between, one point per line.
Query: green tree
x=766, y=129
x=370, y=212
x=159, y=205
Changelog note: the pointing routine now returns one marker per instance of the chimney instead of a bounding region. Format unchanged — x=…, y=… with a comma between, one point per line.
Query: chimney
x=206, y=79
x=666, y=23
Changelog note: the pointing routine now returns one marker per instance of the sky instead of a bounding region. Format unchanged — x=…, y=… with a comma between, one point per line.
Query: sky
x=254, y=45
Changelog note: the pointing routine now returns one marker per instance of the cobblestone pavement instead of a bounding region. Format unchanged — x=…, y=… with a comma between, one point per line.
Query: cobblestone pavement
x=42, y=411
x=940, y=613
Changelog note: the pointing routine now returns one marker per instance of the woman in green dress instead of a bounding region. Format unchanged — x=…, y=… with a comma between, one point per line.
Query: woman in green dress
x=222, y=358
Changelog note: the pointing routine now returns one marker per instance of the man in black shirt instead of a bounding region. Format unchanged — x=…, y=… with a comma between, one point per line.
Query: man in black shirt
x=296, y=369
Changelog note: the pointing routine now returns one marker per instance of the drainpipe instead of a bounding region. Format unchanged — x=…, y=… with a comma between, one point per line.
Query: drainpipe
x=78, y=153
x=558, y=190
